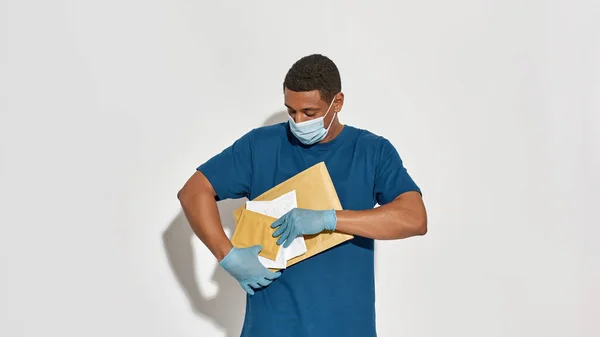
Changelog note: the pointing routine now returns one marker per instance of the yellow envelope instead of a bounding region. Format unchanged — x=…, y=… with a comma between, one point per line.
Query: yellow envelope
x=314, y=190
x=256, y=231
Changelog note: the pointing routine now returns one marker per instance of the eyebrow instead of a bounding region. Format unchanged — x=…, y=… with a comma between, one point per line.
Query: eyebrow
x=310, y=108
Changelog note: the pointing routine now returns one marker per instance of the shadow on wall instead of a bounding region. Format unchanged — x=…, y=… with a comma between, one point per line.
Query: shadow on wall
x=226, y=308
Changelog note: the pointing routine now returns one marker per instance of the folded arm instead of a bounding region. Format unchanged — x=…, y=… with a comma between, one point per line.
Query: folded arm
x=227, y=175
x=401, y=218
x=401, y=214
x=197, y=198
x=198, y=201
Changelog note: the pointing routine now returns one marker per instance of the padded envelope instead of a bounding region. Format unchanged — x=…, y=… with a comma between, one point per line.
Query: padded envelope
x=256, y=230
x=314, y=190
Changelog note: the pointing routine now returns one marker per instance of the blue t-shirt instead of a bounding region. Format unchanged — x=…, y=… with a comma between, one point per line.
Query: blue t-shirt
x=333, y=293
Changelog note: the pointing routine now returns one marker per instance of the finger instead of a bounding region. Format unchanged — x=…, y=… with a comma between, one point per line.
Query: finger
x=272, y=275
x=288, y=240
x=285, y=237
x=264, y=282
x=280, y=230
x=247, y=289
x=278, y=222
x=255, y=285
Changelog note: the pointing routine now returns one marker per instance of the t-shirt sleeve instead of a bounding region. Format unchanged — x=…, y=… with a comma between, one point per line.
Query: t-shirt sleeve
x=391, y=177
x=230, y=172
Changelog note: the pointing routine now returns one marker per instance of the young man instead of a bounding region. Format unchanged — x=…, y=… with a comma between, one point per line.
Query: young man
x=333, y=293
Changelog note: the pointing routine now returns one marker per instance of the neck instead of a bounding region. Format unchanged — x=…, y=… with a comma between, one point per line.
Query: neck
x=334, y=131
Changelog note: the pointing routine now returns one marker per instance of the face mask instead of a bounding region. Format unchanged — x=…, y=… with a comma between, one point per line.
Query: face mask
x=311, y=131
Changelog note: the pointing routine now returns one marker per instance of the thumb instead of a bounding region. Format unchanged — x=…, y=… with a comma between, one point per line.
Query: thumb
x=257, y=249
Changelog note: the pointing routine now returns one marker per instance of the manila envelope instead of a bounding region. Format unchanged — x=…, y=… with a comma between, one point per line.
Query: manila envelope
x=314, y=190
x=255, y=230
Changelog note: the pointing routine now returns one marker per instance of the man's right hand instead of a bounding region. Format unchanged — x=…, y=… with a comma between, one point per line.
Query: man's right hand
x=200, y=207
x=244, y=266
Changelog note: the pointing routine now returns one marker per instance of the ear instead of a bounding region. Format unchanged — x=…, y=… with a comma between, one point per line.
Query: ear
x=338, y=103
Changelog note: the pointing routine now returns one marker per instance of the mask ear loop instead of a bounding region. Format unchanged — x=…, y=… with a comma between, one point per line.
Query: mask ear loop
x=330, y=105
x=332, y=118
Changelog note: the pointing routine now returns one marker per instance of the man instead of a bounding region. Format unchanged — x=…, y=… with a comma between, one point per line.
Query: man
x=333, y=293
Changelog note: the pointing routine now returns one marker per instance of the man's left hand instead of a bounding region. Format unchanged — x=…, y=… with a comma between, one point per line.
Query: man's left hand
x=300, y=221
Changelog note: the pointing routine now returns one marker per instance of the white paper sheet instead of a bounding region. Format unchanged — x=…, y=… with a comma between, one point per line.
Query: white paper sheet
x=276, y=209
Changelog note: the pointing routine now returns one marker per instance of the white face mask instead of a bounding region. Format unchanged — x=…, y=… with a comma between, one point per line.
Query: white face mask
x=311, y=131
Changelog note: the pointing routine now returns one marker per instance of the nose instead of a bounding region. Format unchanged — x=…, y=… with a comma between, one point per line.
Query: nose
x=299, y=118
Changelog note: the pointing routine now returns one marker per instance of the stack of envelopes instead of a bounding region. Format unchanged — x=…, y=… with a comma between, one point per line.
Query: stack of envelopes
x=309, y=189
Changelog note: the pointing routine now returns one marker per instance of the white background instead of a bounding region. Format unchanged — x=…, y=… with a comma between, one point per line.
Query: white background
x=108, y=106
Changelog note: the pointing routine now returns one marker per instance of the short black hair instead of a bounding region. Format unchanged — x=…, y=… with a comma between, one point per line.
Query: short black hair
x=314, y=72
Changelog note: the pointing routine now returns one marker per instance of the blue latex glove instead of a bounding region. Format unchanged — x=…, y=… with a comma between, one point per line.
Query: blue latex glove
x=244, y=266
x=300, y=221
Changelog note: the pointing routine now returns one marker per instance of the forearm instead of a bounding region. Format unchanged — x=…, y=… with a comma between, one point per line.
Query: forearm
x=202, y=214
x=395, y=220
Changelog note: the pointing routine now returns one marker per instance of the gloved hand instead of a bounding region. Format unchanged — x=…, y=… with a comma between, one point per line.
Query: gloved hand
x=300, y=221
x=244, y=266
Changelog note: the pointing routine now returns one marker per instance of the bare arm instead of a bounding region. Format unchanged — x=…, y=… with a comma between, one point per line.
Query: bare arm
x=404, y=217
x=197, y=198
